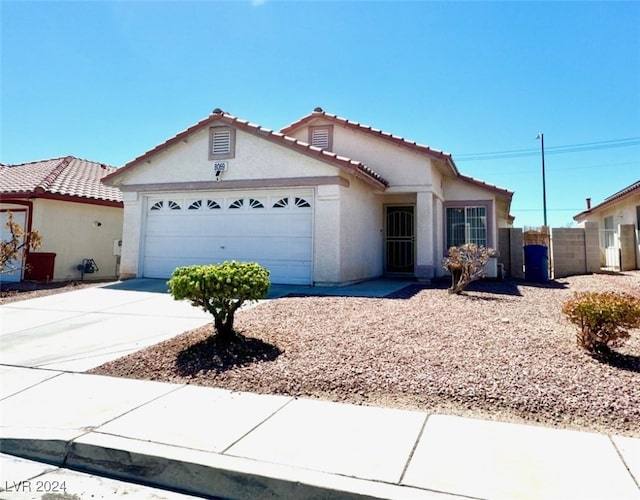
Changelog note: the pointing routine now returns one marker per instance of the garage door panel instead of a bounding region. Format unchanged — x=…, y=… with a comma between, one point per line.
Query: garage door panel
x=278, y=238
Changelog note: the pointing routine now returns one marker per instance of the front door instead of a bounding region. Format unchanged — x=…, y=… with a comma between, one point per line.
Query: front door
x=399, y=240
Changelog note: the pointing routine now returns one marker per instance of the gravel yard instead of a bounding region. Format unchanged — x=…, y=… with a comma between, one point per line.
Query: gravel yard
x=503, y=351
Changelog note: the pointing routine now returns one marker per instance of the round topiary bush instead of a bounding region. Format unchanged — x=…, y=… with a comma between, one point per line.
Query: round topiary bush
x=220, y=289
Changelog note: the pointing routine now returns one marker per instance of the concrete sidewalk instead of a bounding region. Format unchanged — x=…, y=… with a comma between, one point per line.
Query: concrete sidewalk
x=216, y=443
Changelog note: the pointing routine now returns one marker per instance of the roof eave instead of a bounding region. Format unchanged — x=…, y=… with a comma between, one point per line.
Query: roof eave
x=359, y=169
x=621, y=196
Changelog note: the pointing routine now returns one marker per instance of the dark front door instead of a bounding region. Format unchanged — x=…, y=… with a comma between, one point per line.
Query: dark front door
x=400, y=240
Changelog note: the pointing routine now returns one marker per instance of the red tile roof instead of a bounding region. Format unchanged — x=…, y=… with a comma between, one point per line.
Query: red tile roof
x=353, y=166
x=67, y=176
x=320, y=113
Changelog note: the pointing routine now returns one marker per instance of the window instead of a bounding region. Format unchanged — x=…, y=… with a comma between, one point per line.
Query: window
x=281, y=203
x=466, y=225
x=196, y=205
x=222, y=143
x=237, y=204
x=638, y=217
x=157, y=205
x=321, y=137
x=609, y=232
x=255, y=203
x=213, y=205
x=173, y=205
x=302, y=203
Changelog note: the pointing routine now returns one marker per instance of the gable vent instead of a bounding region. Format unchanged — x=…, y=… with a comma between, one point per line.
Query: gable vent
x=320, y=138
x=221, y=142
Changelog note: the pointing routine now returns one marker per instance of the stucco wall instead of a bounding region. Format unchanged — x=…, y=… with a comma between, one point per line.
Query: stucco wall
x=255, y=158
x=71, y=231
x=401, y=167
x=131, y=234
x=623, y=213
x=361, y=233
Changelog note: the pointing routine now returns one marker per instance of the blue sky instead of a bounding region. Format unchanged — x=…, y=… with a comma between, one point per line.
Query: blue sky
x=109, y=80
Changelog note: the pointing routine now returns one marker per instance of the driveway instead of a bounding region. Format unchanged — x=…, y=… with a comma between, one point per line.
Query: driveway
x=82, y=329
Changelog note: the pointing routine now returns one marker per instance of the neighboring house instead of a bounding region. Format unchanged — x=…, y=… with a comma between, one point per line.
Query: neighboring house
x=323, y=201
x=76, y=215
x=619, y=219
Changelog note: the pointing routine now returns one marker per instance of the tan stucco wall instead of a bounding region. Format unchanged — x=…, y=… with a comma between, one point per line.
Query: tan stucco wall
x=361, y=233
x=404, y=169
x=131, y=234
x=70, y=231
x=255, y=158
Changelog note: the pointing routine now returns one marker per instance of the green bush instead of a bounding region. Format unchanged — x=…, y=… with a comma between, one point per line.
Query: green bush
x=604, y=319
x=220, y=289
x=466, y=264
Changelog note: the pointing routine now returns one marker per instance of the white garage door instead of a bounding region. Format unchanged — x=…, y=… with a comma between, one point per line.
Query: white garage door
x=268, y=227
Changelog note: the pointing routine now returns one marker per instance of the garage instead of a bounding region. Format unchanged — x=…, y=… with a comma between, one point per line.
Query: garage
x=273, y=228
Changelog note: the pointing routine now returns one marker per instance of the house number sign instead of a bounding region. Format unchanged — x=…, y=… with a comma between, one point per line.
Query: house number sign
x=220, y=166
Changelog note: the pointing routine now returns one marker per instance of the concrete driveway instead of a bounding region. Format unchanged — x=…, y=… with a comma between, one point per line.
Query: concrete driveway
x=82, y=329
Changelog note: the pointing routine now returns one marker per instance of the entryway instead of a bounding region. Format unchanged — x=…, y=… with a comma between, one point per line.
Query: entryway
x=399, y=239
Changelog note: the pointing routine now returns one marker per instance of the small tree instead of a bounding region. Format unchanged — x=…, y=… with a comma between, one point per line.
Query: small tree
x=19, y=240
x=220, y=289
x=604, y=319
x=466, y=264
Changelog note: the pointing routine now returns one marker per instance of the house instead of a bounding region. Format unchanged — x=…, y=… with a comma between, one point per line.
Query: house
x=78, y=218
x=619, y=219
x=323, y=201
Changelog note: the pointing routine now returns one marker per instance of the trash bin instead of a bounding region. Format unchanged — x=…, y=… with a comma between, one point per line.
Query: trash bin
x=536, y=263
x=40, y=266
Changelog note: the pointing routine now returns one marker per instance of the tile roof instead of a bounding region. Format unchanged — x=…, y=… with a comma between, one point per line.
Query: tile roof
x=320, y=113
x=400, y=141
x=359, y=169
x=66, y=176
x=484, y=185
x=610, y=200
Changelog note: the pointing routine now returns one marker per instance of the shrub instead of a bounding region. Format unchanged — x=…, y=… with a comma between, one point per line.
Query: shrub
x=466, y=264
x=220, y=289
x=604, y=319
x=19, y=239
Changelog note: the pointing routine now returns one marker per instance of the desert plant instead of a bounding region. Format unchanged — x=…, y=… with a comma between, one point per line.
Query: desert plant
x=19, y=240
x=466, y=264
x=604, y=319
x=220, y=289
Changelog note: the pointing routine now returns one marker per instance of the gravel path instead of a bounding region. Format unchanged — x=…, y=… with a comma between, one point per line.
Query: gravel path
x=503, y=351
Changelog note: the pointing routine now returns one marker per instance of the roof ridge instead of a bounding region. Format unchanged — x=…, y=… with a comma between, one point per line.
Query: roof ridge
x=631, y=187
x=257, y=129
x=34, y=161
x=48, y=181
x=319, y=112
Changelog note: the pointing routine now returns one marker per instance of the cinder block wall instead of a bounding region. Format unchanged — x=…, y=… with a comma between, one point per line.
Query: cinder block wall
x=592, y=247
x=627, y=247
x=511, y=252
x=568, y=250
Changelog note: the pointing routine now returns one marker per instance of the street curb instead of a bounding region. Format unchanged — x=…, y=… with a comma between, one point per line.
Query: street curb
x=222, y=477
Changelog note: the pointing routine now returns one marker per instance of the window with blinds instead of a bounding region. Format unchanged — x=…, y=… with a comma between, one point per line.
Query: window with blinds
x=466, y=225
x=321, y=137
x=221, y=143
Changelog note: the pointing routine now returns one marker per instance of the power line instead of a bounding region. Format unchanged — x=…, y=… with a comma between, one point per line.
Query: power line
x=571, y=148
x=528, y=171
